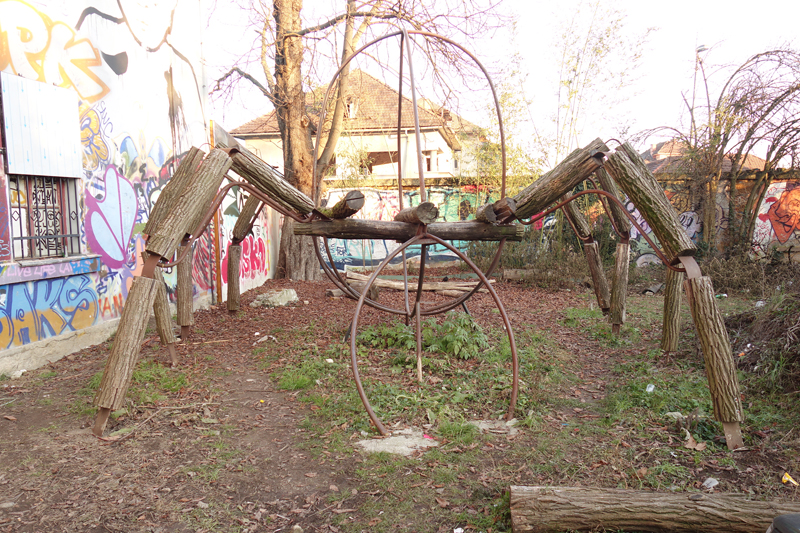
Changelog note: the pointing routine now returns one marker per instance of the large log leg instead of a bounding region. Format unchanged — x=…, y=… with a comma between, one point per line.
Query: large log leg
x=670, y=333
x=720, y=367
x=557, y=509
x=164, y=318
x=619, y=287
x=184, y=294
x=124, y=350
x=234, y=259
x=599, y=281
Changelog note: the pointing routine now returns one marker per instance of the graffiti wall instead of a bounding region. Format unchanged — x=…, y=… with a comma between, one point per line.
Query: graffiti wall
x=778, y=224
x=453, y=203
x=136, y=71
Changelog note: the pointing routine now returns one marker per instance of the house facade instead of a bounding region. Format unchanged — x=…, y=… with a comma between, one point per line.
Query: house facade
x=100, y=101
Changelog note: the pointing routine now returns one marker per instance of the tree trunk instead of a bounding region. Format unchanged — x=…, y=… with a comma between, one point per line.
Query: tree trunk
x=599, y=281
x=577, y=166
x=673, y=286
x=161, y=311
x=710, y=212
x=557, y=509
x=631, y=173
x=619, y=286
x=296, y=259
x=720, y=367
x=234, y=258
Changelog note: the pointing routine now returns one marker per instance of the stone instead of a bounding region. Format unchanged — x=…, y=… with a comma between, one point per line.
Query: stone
x=403, y=442
x=275, y=298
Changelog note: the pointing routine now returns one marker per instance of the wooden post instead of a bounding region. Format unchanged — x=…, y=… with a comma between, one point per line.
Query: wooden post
x=556, y=509
x=720, y=366
x=353, y=228
x=619, y=287
x=269, y=181
x=124, y=350
x=347, y=206
x=164, y=317
x=424, y=213
x=234, y=258
x=185, y=294
x=631, y=174
x=186, y=211
x=599, y=281
x=577, y=166
x=670, y=334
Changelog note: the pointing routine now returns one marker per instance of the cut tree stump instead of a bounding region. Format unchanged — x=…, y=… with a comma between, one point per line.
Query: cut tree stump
x=234, y=259
x=557, y=509
x=424, y=213
x=124, y=350
x=346, y=207
x=352, y=228
x=619, y=286
x=486, y=214
x=632, y=175
x=545, y=191
x=670, y=333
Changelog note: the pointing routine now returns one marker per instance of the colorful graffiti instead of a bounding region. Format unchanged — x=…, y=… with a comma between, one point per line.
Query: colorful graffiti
x=39, y=48
x=778, y=223
x=253, y=261
x=109, y=222
x=43, y=309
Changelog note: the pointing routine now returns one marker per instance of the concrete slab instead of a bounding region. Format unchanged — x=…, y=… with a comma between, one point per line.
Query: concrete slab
x=403, y=442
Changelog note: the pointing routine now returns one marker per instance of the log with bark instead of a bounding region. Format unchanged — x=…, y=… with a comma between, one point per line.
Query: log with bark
x=632, y=175
x=462, y=286
x=246, y=218
x=621, y=220
x=557, y=509
x=163, y=317
x=185, y=294
x=486, y=214
x=599, y=281
x=269, y=181
x=349, y=205
x=619, y=286
x=424, y=213
x=174, y=188
x=234, y=258
x=670, y=331
x=575, y=168
x=401, y=231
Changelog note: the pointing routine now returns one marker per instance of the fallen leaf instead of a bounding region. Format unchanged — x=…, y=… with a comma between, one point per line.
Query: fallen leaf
x=311, y=474
x=442, y=502
x=692, y=444
x=374, y=521
x=9, y=417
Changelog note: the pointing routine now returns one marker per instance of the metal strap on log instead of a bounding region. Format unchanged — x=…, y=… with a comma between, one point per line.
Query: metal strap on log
x=556, y=509
x=545, y=191
x=269, y=181
x=630, y=172
x=402, y=231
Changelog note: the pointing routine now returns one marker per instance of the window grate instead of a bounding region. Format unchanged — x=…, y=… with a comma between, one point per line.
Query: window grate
x=45, y=218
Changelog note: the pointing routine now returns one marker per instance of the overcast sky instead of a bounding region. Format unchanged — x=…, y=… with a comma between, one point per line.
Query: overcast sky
x=733, y=30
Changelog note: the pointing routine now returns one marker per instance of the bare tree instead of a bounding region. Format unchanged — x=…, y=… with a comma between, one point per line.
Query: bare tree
x=290, y=52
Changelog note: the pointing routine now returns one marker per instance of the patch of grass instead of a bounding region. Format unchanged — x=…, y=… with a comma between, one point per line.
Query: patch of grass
x=461, y=433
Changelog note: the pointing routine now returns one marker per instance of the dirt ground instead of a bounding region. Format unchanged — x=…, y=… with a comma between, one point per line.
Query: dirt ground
x=228, y=450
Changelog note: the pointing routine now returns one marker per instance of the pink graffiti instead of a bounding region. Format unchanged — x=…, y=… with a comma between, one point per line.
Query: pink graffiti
x=109, y=222
x=202, y=263
x=253, y=262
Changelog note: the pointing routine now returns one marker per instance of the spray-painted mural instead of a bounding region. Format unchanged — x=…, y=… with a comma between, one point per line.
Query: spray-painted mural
x=136, y=69
x=778, y=223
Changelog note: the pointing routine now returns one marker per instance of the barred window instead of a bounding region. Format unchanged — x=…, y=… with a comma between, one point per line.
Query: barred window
x=44, y=216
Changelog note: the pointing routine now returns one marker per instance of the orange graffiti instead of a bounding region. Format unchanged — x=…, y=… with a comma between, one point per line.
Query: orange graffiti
x=785, y=215
x=34, y=46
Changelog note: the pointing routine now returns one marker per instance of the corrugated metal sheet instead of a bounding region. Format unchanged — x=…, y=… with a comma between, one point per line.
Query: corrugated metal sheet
x=42, y=128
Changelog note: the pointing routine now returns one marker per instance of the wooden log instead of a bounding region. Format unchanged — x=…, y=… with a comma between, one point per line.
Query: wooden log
x=244, y=222
x=486, y=214
x=174, y=188
x=578, y=222
x=424, y=213
x=505, y=209
x=189, y=207
x=163, y=317
x=269, y=181
x=234, y=260
x=632, y=175
x=599, y=281
x=557, y=509
x=621, y=220
x=125, y=348
x=347, y=206
x=670, y=332
x=720, y=366
x=577, y=166
x=619, y=286
x=519, y=274
x=185, y=293
x=351, y=228
x=412, y=285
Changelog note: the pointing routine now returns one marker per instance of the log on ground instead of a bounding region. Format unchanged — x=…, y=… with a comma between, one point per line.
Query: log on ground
x=464, y=286
x=557, y=509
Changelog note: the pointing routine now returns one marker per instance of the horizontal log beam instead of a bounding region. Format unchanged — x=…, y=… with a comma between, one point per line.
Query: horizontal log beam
x=402, y=231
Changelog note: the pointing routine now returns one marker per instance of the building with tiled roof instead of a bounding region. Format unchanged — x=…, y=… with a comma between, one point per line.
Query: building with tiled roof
x=368, y=146
x=668, y=158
